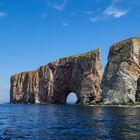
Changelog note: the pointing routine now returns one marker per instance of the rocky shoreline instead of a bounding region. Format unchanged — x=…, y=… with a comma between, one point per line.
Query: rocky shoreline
x=82, y=74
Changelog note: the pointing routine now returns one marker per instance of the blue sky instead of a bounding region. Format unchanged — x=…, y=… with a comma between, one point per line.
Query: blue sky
x=35, y=32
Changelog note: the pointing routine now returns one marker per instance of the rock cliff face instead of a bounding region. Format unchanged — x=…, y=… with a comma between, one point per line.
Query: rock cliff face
x=52, y=83
x=82, y=74
x=121, y=80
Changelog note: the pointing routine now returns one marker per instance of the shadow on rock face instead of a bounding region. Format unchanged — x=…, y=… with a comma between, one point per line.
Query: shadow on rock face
x=52, y=83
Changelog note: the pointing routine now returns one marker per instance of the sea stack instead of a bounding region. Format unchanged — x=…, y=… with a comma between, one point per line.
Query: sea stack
x=121, y=79
x=52, y=83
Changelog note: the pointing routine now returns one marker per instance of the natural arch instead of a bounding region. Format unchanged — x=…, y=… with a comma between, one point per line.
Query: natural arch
x=53, y=82
x=71, y=98
x=138, y=91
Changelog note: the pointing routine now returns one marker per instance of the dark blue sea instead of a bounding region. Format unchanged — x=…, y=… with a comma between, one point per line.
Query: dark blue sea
x=68, y=122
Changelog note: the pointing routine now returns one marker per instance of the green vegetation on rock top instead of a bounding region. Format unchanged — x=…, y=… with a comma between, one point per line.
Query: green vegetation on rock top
x=80, y=55
x=127, y=40
x=69, y=58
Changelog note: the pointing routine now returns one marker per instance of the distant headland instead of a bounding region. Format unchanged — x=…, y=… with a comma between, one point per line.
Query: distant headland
x=83, y=75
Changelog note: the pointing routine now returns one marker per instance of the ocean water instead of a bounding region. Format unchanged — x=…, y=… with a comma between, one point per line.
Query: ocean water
x=68, y=122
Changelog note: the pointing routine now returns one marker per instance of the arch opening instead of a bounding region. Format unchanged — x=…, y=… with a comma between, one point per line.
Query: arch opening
x=71, y=98
x=138, y=91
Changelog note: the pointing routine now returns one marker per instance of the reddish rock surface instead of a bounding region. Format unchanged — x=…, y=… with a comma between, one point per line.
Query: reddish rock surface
x=52, y=83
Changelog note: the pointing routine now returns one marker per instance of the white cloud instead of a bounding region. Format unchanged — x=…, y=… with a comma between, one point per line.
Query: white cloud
x=3, y=15
x=112, y=10
x=59, y=6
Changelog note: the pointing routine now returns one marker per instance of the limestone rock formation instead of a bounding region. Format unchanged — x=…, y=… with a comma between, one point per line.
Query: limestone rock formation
x=52, y=83
x=121, y=80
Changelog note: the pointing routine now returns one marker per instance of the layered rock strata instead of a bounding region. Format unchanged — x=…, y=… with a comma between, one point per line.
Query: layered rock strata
x=121, y=80
x=52, y=83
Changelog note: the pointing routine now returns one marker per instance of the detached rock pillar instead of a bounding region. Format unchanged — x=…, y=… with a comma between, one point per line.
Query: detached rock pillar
x=120, y=80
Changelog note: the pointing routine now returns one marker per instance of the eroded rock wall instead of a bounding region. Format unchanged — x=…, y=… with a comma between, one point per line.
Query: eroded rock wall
x=120, y=84
x=52, y=83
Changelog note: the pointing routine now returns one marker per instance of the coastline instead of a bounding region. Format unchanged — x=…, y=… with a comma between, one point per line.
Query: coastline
x=97, y=105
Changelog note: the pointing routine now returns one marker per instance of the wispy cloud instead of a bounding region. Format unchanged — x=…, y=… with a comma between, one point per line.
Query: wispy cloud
x=44, y=15
x=59, y=6
x=93, y=19
x=3, y=15
x=97, y=18
x=65, y=24
x=88, y=12
x=117, y=1
x=112, y=10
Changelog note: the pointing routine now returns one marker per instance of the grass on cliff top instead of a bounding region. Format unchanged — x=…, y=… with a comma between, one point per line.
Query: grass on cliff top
x=127, y=40
x=87, y=54
x=81, y=55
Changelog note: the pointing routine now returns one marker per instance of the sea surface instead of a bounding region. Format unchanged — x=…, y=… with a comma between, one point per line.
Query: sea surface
x=68, y=122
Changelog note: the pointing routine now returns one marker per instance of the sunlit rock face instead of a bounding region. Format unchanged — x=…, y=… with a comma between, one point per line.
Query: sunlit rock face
x=52, y=83
x=121, y=80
